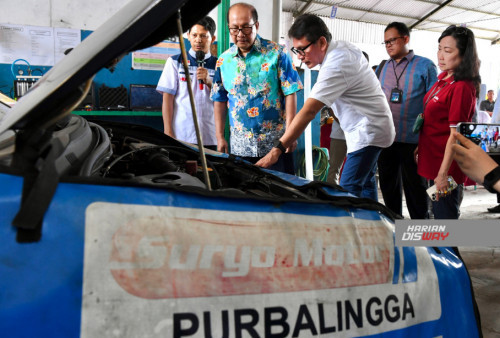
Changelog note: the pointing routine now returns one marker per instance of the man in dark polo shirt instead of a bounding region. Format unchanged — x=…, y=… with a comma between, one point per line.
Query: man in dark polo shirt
x=488, y=104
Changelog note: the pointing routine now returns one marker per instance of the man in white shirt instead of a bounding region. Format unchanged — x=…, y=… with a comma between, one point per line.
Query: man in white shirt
x=348, y=85
x=176, y=108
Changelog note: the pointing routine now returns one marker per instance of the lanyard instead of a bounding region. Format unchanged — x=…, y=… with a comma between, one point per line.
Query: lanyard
x=398, y=77
x=434, y=93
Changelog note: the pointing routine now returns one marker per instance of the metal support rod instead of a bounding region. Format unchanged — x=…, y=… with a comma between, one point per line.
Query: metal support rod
x=191, y=100
x=308, y=151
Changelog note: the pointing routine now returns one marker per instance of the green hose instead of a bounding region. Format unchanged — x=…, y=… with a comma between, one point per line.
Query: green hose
x=320, y=164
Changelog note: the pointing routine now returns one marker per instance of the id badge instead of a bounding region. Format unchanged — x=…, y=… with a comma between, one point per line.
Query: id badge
x=396, y=95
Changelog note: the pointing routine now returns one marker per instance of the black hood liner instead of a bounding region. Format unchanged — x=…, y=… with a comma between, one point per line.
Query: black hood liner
x=191, y=13
x=150, y=27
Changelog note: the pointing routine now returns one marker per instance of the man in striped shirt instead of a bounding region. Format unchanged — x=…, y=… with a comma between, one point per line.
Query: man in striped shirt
x=405, y=78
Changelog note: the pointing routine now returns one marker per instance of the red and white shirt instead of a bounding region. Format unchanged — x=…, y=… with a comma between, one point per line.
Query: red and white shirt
x=448, y=103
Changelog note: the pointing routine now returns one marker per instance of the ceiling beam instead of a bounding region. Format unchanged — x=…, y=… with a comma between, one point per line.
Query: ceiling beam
x=436, y=29
x=442, y=23
x=370, y=10
x=304, y=8
x=462, y=8
x=438, y=8
x=329, y=4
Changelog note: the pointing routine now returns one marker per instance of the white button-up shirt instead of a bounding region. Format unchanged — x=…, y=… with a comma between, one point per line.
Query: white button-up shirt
x=348, y=84
x=173, y=81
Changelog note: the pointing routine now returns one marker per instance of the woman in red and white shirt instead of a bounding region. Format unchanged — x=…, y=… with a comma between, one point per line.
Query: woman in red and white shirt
x=451, y=100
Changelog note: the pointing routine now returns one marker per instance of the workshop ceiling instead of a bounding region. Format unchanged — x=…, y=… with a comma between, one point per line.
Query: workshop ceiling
x=481, y=16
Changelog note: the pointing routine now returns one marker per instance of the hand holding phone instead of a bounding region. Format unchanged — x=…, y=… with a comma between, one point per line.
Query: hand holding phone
x=435, y=195
x=485, y=135
x=473, y=161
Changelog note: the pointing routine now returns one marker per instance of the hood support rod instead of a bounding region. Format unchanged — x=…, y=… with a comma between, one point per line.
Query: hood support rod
x=193, y=106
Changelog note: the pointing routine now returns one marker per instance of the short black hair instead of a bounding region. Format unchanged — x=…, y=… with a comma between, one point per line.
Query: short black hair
x=311, y=27
x=252, y=9
x=208, y=23
x=402, y=29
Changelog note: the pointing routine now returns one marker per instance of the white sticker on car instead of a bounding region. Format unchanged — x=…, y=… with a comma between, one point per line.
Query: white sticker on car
x=153, y=271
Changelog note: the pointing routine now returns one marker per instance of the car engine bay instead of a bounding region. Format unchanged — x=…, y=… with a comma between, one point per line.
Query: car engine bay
x=137, y=154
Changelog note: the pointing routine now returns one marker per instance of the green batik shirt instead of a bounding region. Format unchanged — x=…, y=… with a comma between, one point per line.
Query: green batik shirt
x=254, y=88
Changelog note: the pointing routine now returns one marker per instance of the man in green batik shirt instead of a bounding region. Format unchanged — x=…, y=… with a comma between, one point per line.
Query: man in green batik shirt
x=256, y=81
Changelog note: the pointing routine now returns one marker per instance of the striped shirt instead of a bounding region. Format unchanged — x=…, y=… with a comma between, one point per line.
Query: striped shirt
x=416, y=75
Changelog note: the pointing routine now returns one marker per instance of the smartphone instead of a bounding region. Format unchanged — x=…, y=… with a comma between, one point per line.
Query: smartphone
x=485, y=135
x=433, y=193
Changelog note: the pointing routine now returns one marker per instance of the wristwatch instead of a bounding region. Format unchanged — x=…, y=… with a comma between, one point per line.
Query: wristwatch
x=279, y=145
x=491, y=178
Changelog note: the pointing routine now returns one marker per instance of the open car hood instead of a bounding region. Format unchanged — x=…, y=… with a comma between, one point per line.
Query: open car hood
x=140, y=24
x=51, y=144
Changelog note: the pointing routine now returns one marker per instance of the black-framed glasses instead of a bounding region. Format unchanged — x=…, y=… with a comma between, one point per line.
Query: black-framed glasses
x=245, y=29
x=390, y=42
x=301, y=50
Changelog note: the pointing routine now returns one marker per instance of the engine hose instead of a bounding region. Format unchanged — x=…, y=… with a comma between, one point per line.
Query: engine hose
x=320, y=164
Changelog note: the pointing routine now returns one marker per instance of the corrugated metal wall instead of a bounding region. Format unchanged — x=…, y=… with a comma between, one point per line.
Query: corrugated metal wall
x=352, y=31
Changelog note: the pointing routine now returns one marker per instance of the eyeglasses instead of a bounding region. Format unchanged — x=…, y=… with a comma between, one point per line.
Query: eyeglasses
x=390, y=42
x=301, y=50
x=245, y=30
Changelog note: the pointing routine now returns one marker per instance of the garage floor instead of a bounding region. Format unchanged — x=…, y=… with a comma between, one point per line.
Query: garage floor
x=483, y=263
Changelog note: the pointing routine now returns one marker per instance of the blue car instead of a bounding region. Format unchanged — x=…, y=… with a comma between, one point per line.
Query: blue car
x=117, y=230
